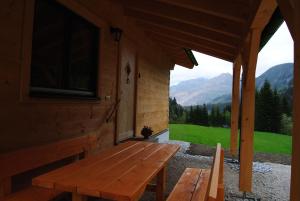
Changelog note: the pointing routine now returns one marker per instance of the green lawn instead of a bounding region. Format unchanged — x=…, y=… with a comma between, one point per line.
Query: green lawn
x=263, y=141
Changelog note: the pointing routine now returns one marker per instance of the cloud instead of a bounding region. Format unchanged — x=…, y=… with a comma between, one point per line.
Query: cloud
x=278, y=50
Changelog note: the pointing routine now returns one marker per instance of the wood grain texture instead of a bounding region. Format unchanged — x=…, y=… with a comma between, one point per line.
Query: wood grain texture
x=288, y=13
x=295, y=175
x=161, y=184
x=18, y=161
x=33, y=194
x=235, y=105
x=126, y=90
x=248, y=104
x=215, y=174
x=152, y=104
x=133, y=163
x=201, y=184
x=185, y=187
x=196, y=18
x=28, y=121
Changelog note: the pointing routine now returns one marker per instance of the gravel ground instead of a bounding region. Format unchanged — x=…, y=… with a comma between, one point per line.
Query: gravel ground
x=204, y=150
x=270, y=186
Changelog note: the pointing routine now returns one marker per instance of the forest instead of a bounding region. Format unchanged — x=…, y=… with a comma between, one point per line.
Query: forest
x=272, y=112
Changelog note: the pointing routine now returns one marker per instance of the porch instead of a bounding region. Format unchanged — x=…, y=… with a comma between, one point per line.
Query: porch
x=94, y=73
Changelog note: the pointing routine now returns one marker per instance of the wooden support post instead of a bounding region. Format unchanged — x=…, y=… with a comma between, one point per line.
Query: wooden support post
x=235, y=104
x=248, y=107
x=295, y=175
x=286, y=9
x=161, y=184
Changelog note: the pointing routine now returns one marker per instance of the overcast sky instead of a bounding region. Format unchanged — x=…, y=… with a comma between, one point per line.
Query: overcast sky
x=278, y=50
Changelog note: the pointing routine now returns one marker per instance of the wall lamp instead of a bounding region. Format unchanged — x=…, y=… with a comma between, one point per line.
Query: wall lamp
x=117, y=33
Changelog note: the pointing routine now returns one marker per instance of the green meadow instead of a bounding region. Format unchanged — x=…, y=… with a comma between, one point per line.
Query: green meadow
x=263, y=141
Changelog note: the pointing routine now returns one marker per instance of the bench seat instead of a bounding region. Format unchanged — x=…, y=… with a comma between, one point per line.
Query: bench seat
x=191, y=185
x=33, y=194
x=201, y=184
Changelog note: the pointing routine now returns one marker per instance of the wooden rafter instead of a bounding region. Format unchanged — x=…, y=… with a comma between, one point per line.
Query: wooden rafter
x=197, y=30
x=286, y=8
x=229, y=9
x=175, y=13
x=178, y=55
x=227, y=30
x=174, y=42
x=195, y=43
x=192, y=39
x=263, y=14
x=185, y=34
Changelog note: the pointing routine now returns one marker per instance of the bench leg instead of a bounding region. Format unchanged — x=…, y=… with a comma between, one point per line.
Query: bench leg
x=77, y=197
x=221, y=193
x=161, y=184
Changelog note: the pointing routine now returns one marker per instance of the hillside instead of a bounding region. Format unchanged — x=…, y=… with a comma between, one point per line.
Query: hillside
x=199, y=91
x=279, y=76
x=218, y=89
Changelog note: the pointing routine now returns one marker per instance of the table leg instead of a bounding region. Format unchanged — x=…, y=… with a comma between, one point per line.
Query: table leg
x=161, y=184
x=77, y=197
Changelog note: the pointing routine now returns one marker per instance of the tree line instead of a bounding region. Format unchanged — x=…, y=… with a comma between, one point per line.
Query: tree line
x=200, y=114
x=272, y=112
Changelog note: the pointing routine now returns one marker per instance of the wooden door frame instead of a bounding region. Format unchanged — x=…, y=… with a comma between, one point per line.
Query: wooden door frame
x=135, y=107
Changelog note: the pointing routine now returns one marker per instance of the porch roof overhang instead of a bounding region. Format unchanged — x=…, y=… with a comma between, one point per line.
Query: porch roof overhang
x=213, y=27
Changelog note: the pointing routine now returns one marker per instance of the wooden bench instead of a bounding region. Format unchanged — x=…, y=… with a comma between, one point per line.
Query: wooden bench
x=30, y=159
x=201, y=184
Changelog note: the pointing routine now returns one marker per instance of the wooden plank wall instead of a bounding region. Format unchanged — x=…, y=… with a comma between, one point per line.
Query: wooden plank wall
x=153, y=95
x=27, y=122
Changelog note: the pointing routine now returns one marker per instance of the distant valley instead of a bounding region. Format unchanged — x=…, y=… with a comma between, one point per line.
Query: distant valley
x=217, y=90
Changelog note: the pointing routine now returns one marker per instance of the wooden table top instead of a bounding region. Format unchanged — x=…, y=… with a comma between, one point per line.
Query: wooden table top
x=119, y=173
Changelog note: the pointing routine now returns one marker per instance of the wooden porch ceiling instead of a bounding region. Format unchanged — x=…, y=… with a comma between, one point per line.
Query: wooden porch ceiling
x=213, y=27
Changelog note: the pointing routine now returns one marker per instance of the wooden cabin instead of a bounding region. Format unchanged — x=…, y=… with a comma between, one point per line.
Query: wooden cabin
x=98, y=71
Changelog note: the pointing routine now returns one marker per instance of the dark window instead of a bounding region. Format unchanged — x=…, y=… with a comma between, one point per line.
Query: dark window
x=64, y=59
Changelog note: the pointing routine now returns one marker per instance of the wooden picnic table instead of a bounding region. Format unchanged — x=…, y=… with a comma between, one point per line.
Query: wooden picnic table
x=119, y=173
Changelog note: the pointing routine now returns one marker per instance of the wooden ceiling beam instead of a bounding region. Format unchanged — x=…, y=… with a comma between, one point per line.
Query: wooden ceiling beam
x=177, y=54
x=261, y=17
x=189, y=65
x=209, y=22
x=182, y=34
x=263, y=14
x=287, y=11
x=193, y=47
x=194, y=30
x=187, y=44
x=229, y=9
x=195, y=41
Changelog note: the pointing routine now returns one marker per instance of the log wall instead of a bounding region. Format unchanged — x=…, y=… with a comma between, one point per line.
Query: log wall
x=27, y=121
x=153, y=95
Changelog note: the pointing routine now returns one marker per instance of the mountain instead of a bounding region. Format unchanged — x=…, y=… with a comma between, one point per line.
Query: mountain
x=279, y=76
x=218, y=89
x=201, y=90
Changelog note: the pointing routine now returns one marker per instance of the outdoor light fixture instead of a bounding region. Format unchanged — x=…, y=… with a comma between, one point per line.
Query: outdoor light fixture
x=117, y=33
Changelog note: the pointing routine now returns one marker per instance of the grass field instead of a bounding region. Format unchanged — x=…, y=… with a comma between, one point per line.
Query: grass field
x=263, y=141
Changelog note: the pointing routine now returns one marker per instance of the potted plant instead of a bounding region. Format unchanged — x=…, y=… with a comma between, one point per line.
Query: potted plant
x=146, y=132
